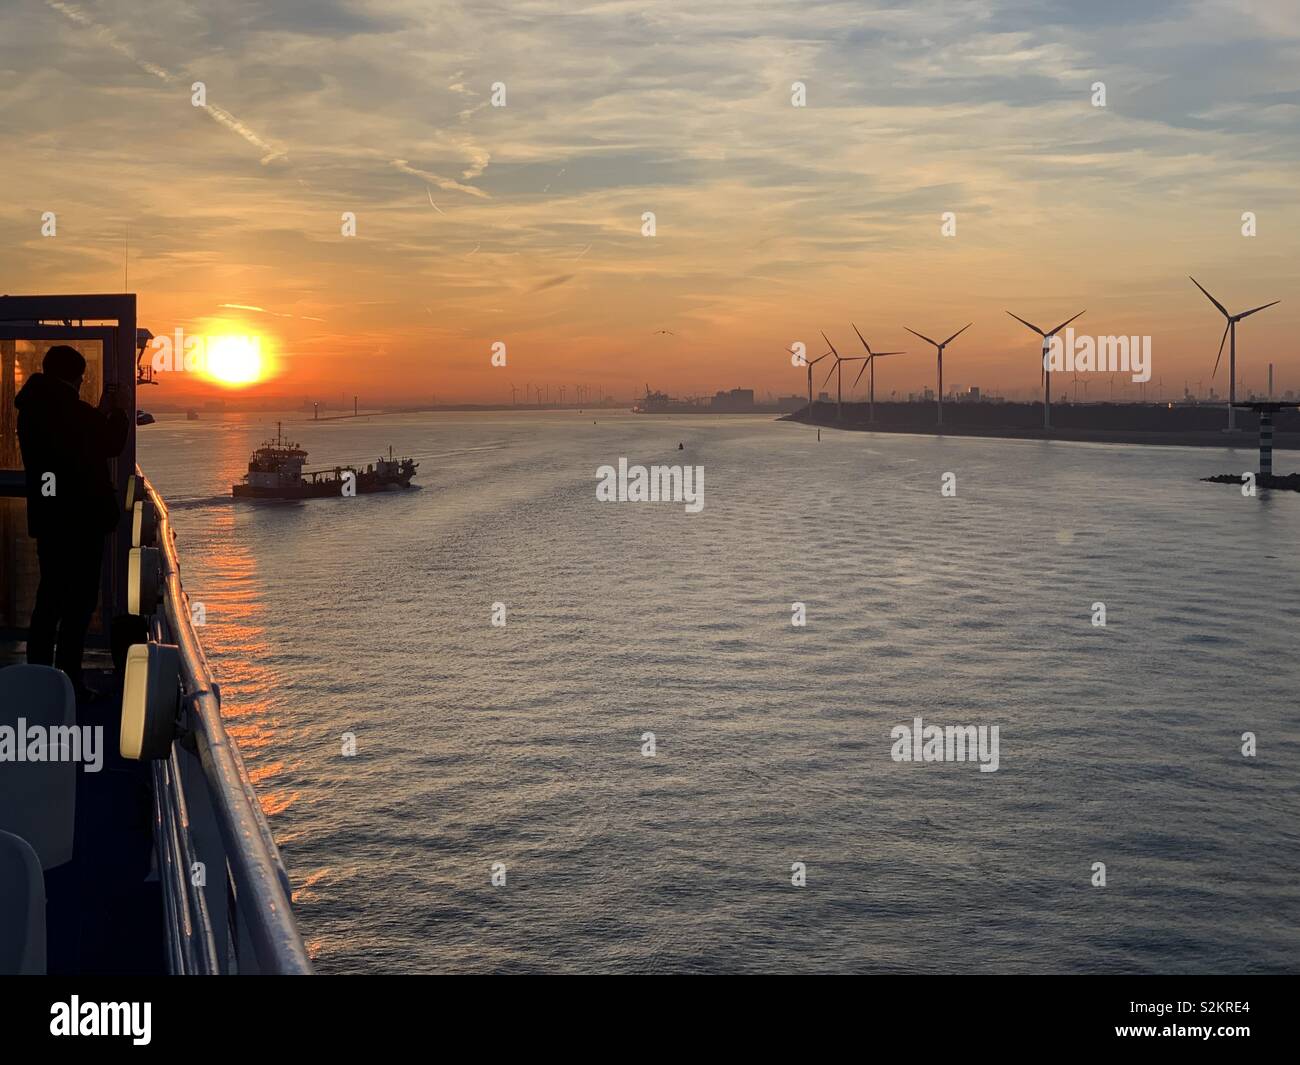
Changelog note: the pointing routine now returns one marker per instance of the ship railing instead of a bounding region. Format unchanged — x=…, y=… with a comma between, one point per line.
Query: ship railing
x=227, y=898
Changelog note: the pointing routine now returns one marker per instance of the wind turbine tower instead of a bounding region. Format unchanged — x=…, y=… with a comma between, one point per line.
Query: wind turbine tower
x=870, y=361
x=1229, y=330
x=839, y=376
x=810, y=363
x=939, y=351
x=1047, y=373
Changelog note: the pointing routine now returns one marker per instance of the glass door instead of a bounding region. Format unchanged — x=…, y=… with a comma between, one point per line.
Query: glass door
x=22, y=349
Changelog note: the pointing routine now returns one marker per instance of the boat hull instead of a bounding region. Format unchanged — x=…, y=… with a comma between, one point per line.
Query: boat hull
x=319, y=489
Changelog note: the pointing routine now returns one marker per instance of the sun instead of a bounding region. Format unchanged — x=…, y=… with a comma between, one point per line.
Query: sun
x=234, y=360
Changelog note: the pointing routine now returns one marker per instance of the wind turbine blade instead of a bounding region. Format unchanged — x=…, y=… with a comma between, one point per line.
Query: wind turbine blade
x=832, y=346
x=860, y=373
x=921, y=335
x=814, y=362
x=1023, y=322
x=1247, y=314
x=1065, y=323
x=1222, y=309
x=829, y=375
x=1220, y=355
x=862, y=338
x=958, y=333
x=882, y=354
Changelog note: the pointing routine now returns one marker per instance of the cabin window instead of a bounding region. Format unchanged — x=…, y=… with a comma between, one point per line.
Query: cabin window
x=19, y=359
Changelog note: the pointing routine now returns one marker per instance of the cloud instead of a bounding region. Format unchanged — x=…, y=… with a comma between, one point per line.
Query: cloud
x=446, y=184
x=263, y=310
x=224, y=118
x=219, y=115
x=108, y=37
x=553, y=282
x=771, y=219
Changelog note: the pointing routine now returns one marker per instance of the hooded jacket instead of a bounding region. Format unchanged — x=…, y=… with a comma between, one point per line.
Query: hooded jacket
x=60, y=434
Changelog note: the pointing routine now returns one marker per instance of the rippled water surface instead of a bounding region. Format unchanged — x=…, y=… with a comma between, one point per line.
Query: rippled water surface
x=522, y=744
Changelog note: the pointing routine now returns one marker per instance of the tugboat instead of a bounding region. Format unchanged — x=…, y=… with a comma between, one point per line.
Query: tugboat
x=276, y=472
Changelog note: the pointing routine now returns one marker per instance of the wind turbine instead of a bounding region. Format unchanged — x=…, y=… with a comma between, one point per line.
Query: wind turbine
x=1230, y=328
x=810, y=363
x=870, y=360
x=1046, y=373
x=939, y=348
x=839, y=376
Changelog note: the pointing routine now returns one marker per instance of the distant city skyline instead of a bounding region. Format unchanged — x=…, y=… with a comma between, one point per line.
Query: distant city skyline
x=956, y=154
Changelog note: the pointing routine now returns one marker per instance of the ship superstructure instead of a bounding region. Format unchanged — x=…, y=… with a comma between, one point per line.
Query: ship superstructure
x=99, y=871
x=275, y=471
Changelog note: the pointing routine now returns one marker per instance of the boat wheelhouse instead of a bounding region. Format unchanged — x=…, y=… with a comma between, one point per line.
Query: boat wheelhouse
x=276, y=465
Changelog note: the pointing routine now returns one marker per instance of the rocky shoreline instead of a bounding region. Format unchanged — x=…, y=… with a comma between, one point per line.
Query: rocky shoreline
x=1288, y=483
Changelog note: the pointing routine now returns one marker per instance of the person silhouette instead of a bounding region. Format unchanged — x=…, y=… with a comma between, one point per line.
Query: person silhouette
x=71, y=504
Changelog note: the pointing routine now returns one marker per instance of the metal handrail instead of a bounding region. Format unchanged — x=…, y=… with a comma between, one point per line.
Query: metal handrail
x=188, y=919
x=256, y=871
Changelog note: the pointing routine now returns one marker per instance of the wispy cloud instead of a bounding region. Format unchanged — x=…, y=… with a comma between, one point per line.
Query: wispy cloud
x=263, y=310
x=552, y=282
x=218, y=114
x=446, y=184
x=773, y=221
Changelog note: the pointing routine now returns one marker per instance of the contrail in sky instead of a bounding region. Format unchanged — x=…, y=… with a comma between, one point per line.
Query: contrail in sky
x=446, y=184
x=218, y=114
x=263, y=310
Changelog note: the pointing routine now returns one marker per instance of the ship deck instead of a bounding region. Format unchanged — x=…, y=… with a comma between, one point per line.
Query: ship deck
x=105, y=907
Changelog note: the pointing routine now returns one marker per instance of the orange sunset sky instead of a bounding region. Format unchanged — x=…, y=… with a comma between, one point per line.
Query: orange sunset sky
x=523, y=223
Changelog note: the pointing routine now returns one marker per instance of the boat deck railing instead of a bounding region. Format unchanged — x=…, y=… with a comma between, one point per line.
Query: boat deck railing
x=226, y=893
